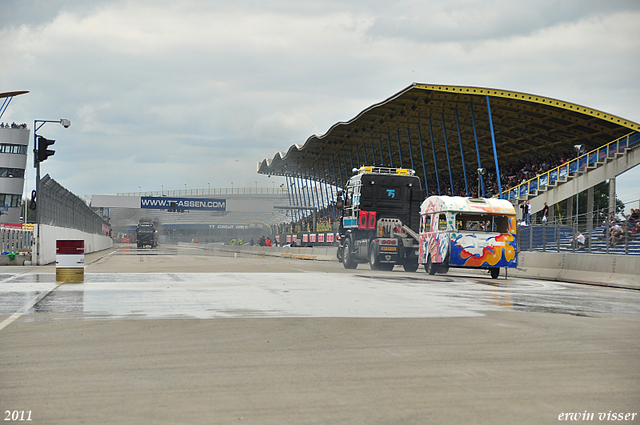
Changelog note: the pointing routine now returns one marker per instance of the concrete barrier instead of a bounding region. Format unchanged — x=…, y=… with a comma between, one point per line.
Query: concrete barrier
x=50, y=234
x=598, y=269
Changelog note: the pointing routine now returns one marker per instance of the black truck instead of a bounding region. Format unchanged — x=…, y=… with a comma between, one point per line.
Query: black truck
x=381, y=219
x=146, y=234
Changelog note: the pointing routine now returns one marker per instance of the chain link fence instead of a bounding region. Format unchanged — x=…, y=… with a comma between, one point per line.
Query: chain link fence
x=61, y=208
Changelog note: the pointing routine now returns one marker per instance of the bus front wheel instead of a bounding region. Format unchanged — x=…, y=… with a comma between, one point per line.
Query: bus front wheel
x=429, y=267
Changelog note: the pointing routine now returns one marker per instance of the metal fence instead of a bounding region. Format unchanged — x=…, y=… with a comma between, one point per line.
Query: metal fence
x=61, y=208
x=609, y=236
x=12, y=240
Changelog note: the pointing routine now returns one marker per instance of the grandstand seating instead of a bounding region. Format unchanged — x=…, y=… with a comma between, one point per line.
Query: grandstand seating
x=585, y=171
x=559, y=239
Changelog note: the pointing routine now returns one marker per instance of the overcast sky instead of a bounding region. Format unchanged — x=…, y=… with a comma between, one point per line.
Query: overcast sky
x=167, y=93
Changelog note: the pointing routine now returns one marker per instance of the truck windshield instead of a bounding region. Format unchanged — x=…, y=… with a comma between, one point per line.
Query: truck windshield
x=482, y=223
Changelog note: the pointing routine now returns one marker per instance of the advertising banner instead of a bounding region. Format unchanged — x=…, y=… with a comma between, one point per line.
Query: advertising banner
x=170, y=203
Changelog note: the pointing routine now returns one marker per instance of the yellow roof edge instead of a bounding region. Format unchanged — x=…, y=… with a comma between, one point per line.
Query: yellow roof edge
x=507, y=94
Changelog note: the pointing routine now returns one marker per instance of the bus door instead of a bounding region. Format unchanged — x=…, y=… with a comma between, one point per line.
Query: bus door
x=436, y=241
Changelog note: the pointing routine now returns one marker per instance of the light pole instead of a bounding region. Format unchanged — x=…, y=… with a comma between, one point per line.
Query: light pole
x=480, y=174
x=579, y=149
x=36, y=163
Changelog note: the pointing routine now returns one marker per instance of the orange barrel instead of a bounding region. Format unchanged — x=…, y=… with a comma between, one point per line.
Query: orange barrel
x=70, y=261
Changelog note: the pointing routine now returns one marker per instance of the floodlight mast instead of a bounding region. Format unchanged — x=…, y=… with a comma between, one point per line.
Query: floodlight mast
x=36, y=163
x=480, y=174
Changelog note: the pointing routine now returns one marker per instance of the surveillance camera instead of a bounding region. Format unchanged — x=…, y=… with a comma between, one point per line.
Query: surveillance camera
x=65, y=123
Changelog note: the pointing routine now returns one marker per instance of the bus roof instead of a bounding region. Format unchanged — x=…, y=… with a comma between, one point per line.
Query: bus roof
x=459, y=204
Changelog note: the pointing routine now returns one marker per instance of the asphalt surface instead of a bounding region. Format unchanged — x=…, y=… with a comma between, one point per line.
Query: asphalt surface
x=183, y=336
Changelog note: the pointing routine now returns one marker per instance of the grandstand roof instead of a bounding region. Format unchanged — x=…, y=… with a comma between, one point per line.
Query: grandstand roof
x=525, y=125
x=13, y=93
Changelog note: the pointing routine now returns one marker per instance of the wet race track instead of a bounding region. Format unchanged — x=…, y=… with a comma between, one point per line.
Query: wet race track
x=357, y=346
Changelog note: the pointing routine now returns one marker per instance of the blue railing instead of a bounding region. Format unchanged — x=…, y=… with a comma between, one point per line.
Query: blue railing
x=562, y=171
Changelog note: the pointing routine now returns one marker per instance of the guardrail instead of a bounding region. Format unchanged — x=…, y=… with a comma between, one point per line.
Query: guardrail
x=14, y=240
x=561, y=173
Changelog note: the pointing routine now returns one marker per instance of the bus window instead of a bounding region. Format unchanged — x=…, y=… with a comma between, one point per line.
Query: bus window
x=482, y=223
x=425, y=224
x=442, y=222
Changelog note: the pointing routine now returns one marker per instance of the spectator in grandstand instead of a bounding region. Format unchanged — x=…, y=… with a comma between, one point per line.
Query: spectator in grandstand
x=578, y=241
x=633, y=224
x=545, y=213
x=616, y=234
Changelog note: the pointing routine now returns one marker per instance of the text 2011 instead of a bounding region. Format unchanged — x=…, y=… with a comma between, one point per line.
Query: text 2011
x=17, y=415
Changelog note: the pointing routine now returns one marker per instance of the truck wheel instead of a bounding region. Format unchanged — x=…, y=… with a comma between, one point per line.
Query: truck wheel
x=347, y=256
x=429, y=267
x=495, y=272
x=373, y=256
x=410, y=267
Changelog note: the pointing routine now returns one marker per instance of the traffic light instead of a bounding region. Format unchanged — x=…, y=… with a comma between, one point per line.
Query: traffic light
x=42, y=152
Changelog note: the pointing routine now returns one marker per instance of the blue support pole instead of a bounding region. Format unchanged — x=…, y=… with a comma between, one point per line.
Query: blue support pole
x=464, y=168
x=318, y=189
x=325, y=193
x=373, y=154
x=410, y=151
x=289, y=190
x=315, y=204
x=390, y=156
x=424, y=166
x=364, y=147
x=347, y=175
x=381, y=156
x=446, y=147
x=475, y=137
x=495, y=153
x=358, y=156
x=351, y=158
x=339, y=171
x=399, y=148
x=333, y=205
x=435, y=163
x=298, y=195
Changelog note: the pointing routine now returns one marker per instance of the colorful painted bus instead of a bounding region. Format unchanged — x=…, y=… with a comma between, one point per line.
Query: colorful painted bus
x=467, y=232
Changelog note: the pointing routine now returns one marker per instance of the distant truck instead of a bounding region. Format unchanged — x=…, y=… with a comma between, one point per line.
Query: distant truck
x=146, y=234
x=381, y=219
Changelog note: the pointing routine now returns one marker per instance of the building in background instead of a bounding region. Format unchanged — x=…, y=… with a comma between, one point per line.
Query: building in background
x=14, y=144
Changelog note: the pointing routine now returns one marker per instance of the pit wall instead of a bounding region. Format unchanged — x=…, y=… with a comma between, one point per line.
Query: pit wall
x=597, y=269
x=50, y=234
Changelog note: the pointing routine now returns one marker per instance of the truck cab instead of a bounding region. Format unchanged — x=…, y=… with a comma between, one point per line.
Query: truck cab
x=380, y=219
